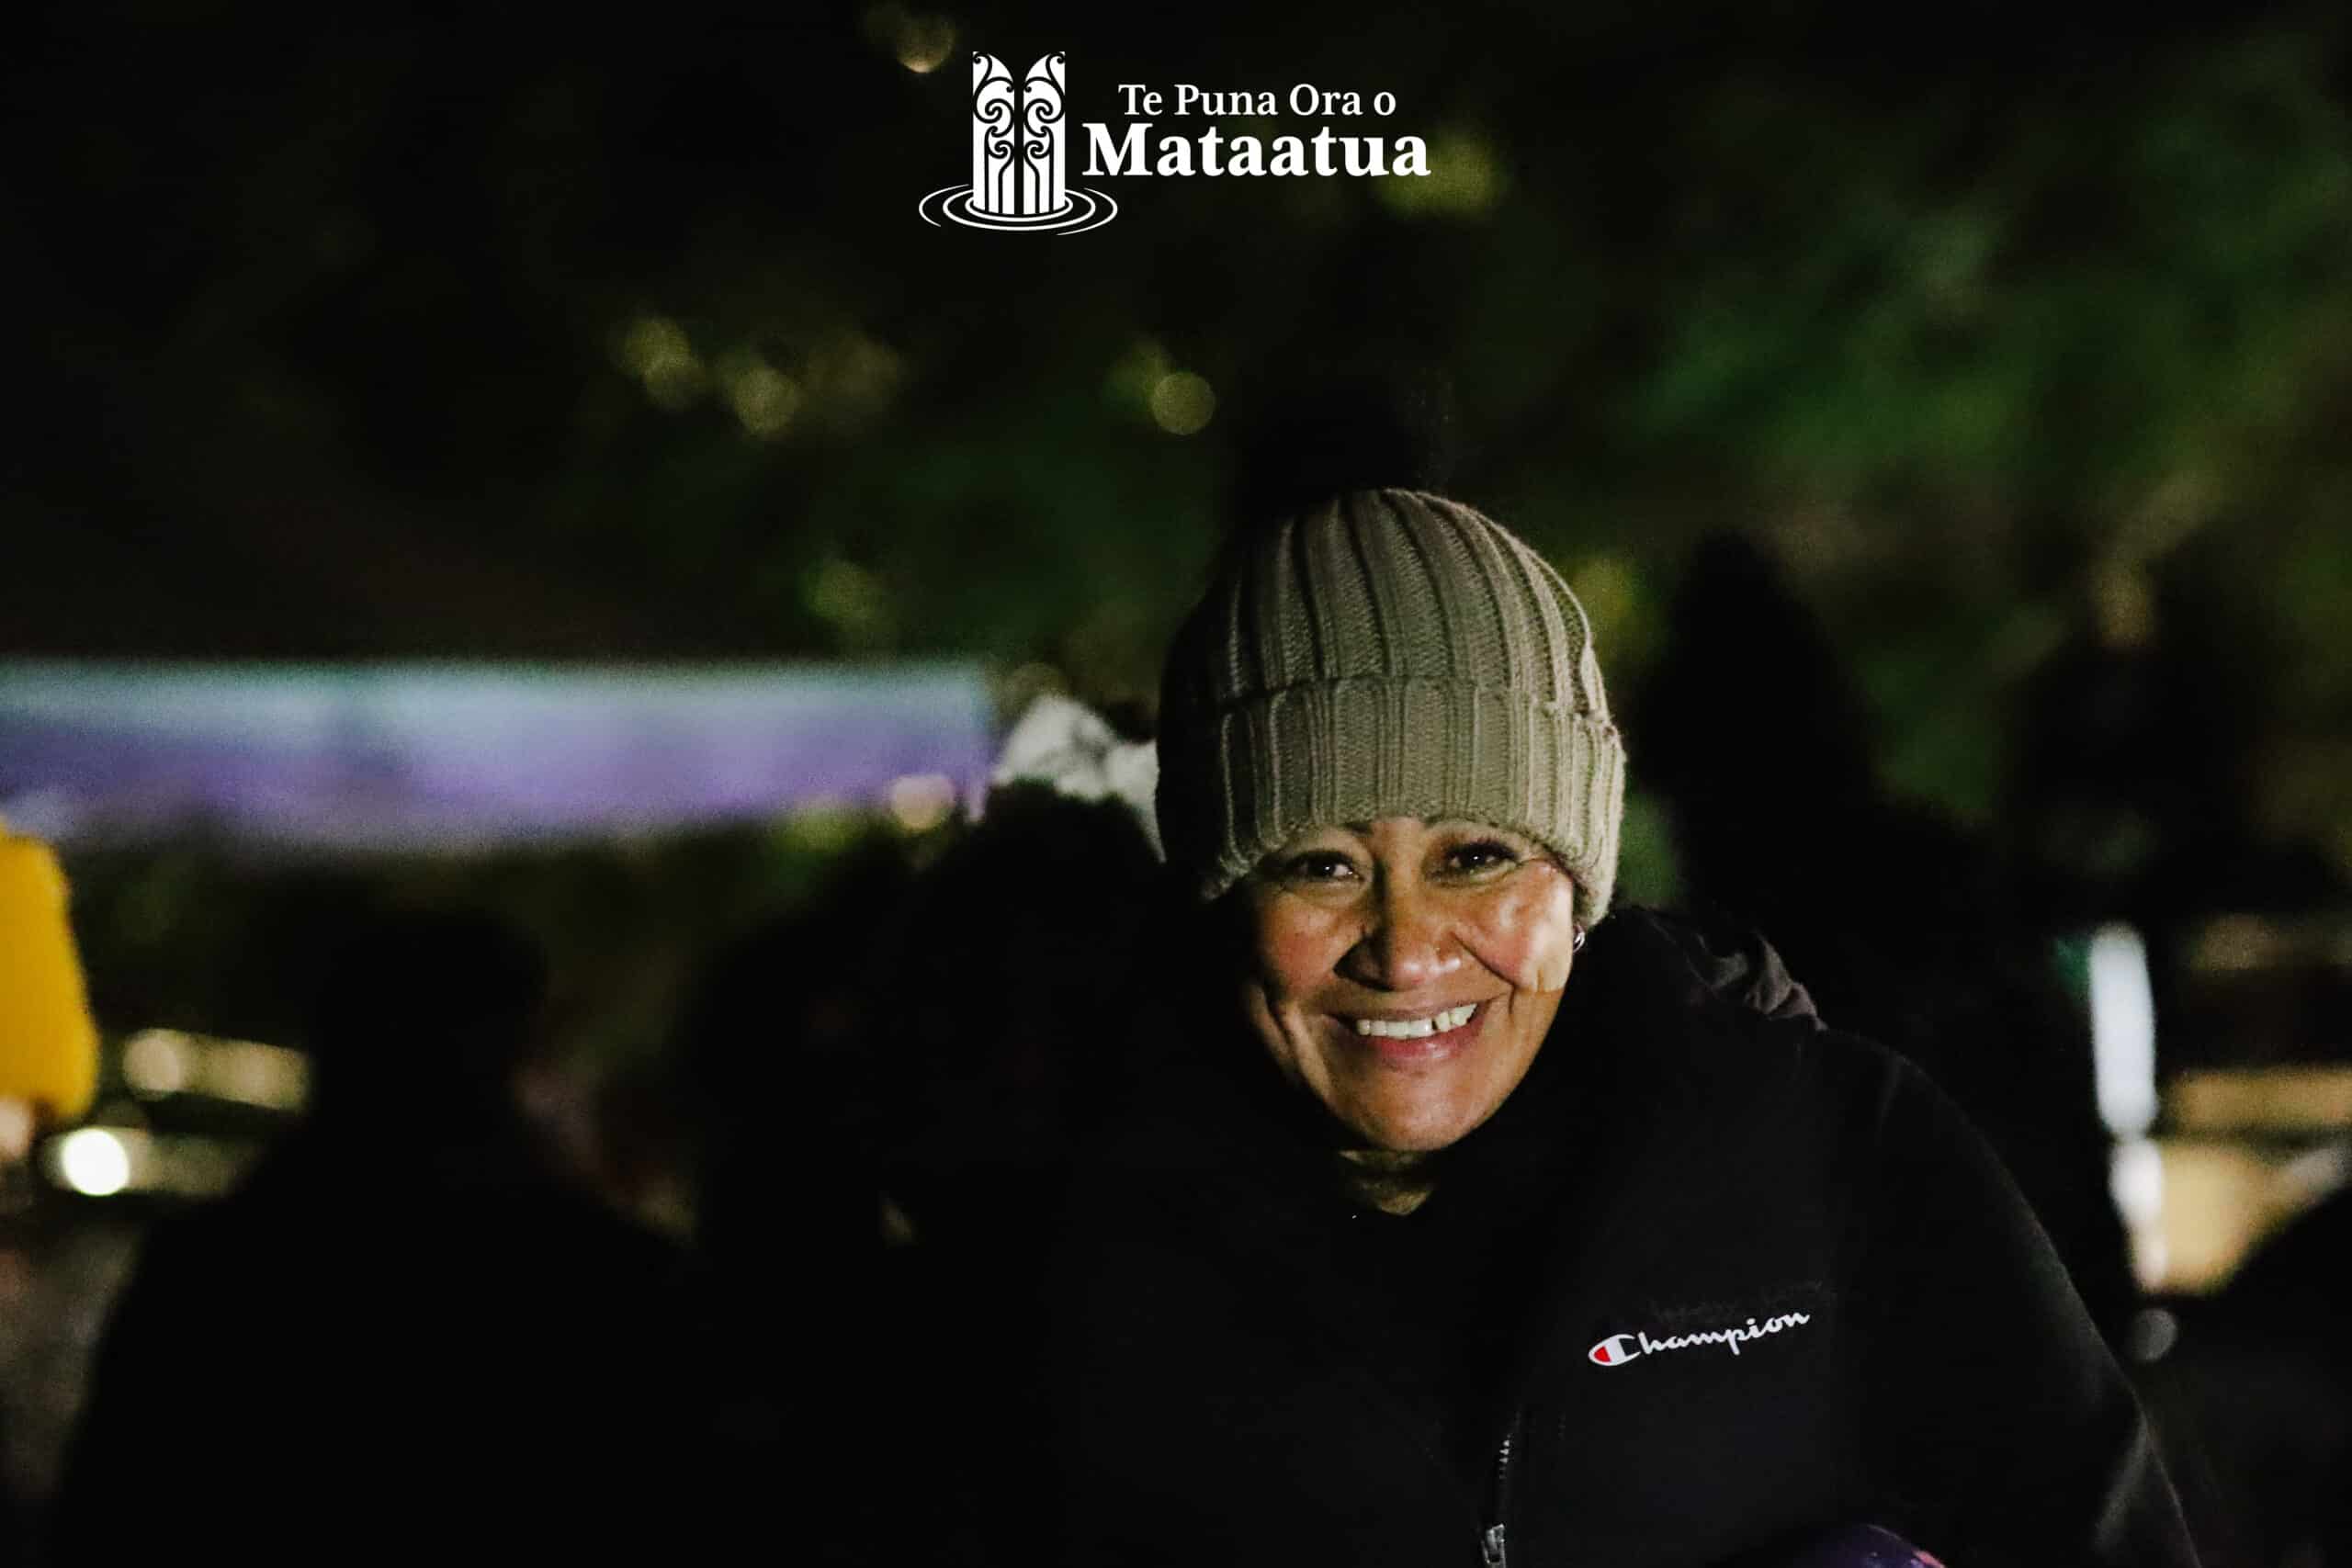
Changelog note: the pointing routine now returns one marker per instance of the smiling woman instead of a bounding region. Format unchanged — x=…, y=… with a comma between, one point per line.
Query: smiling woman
x=1374, y=1267
x=1408, y=974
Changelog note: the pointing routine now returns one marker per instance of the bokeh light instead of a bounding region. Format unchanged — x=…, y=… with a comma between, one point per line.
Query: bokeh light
x=920, y=801
x=158, y=1061
x=1182, y=403
x=93, y=1161
x=920, y=41
x=1466, y=179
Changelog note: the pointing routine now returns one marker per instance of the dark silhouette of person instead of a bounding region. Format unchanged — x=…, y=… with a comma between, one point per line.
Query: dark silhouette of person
x=403, y=1332
x=886, y=1085
x=775, y=1065
x=1903, y=928
x=1020, y=947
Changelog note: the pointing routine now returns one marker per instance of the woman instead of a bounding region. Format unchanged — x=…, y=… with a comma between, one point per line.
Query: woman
x=1459, y=1218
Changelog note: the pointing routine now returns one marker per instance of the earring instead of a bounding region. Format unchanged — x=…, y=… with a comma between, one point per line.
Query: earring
x=1577, y=945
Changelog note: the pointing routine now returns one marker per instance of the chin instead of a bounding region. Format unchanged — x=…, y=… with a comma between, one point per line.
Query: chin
x=1414, y=1131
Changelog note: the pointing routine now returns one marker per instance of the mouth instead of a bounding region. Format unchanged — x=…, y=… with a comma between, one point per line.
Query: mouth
x=1420, y=1028
x=1420, y=1041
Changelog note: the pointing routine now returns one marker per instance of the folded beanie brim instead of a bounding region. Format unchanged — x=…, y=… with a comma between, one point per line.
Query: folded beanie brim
x=1360, y=748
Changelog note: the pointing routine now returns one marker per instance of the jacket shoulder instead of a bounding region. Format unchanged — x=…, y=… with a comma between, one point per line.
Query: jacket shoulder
x=1747, y=1020
x=1732, y=960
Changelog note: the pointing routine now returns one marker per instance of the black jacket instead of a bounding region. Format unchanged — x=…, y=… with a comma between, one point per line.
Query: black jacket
x=1711, y=1278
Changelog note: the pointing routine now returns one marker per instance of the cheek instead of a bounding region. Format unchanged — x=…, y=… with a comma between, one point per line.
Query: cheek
x=1528, y=933
x=1292, y=950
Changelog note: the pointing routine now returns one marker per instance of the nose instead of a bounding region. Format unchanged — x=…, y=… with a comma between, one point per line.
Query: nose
x=1408, y=944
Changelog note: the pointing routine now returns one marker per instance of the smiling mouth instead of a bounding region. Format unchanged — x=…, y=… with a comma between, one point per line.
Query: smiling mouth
x=1435, y=1024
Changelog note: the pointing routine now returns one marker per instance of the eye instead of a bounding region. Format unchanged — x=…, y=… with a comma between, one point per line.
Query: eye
x=1483, y=856
x=1318, y=865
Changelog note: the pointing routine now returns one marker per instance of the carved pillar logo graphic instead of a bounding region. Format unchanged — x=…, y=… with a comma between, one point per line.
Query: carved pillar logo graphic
x=1019, y=158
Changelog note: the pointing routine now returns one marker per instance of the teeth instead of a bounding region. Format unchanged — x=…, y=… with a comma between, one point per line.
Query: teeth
x=1417, y=1028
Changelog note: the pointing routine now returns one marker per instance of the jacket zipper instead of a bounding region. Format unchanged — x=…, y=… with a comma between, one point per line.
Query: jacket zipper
x=1493, y=1545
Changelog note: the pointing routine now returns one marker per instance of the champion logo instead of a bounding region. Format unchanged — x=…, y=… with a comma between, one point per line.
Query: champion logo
x=1620, y=1348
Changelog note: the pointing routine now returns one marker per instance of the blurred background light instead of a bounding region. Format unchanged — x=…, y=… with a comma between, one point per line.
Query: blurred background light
x=158, y=1061
x=2123, y=1062
x=112, y=1161
x=2278, y=1100
x=1182, y=403
x=656, y=350
x=1609, y=586
x=849, y=376
x=94, y=1161
x=923, y=801
x=269, y=1077
x=763, y=397
x=455, y=757
x=2136, y=1179
x=852, y=600
x=2153, y=1333
x=2123, y=1030
x=918, y=42
x=1136, y=374
x=1466, y=179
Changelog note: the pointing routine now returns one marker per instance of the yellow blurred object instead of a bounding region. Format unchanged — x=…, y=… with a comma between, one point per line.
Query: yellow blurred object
x=49, y=1043
x=2222, y=1101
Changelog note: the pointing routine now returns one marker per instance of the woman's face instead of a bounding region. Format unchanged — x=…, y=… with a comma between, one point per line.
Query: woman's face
x=1404, y=973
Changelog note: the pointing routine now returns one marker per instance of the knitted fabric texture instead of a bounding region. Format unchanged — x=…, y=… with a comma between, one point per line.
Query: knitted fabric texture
x=1387, y=653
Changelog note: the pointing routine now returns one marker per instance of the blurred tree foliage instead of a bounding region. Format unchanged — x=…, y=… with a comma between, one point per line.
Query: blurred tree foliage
x=392, y=337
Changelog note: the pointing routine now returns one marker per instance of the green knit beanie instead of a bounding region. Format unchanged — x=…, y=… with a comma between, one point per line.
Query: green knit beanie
x=1387, y=653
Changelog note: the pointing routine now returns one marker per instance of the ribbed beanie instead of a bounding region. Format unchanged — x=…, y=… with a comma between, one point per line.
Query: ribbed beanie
x=1386, y=653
